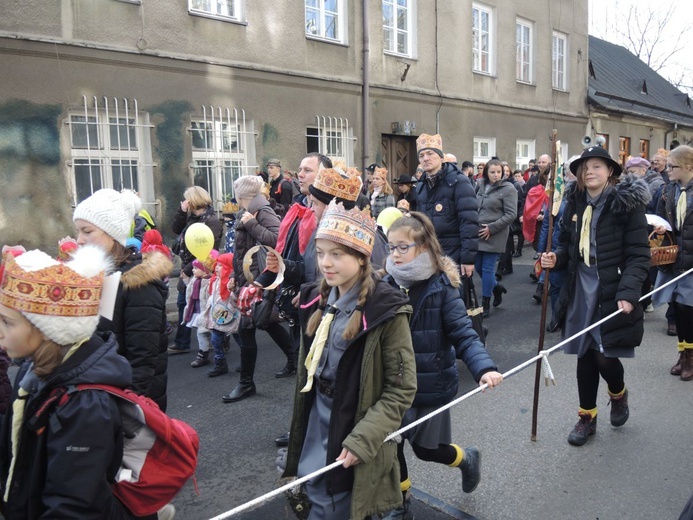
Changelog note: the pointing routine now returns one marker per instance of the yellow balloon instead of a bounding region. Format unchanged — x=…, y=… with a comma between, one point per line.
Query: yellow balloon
x=387, y=217
x=199, y=240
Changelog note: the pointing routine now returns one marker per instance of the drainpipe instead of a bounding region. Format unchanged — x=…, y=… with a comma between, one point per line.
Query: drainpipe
x=365, y=92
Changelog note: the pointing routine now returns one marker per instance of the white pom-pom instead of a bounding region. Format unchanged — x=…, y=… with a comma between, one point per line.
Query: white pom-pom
x=89, y=261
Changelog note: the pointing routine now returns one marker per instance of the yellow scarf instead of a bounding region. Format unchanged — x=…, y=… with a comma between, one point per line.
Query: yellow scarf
x=585, y=234
x=315, y=353
x=681, y=207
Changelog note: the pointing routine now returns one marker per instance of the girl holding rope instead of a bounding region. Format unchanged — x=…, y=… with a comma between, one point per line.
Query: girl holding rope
x=676, y=205
x=440, y=329
x=603, y=243
x=357, y=378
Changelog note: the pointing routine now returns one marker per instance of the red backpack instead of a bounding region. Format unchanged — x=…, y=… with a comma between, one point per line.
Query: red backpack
x=159, y=453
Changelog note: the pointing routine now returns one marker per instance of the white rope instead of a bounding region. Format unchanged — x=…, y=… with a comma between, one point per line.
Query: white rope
x=546, y=368
x=544, y=354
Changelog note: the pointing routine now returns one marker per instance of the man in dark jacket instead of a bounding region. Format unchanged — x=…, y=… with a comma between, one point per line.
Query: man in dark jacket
x=447, y=197
x=281, y=189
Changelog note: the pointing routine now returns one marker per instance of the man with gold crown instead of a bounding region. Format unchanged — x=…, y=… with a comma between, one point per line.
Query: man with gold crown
x=447, y=197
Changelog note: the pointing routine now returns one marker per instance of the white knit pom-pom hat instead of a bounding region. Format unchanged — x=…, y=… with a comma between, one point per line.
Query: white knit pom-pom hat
x=110, y=211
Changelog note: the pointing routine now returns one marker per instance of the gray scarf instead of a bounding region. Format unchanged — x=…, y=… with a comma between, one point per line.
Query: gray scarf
x=406, y=275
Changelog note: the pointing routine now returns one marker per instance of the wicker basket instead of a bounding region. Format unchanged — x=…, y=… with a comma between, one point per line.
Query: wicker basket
x=662, y=254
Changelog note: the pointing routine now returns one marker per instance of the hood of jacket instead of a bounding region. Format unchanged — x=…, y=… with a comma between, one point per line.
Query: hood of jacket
x=626, y=195
x=95, y=362
x=452, y=271
x=141, y=271
x=257, y=203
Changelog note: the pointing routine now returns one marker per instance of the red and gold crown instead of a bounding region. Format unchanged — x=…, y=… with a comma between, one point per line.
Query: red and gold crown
x=334, y=182
x=430, y=142
x=54, y=291
x=353, y=228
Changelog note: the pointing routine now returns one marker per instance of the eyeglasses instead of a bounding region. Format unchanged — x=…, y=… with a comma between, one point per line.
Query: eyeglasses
x=402, y=249
x=672, y=166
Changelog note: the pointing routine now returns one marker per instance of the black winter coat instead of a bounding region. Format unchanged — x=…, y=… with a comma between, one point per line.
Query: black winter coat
x=182, y=221
x=451, y=205
x=139, y=323
x=440, y=337
x=666, y=208
x=622, y=257
x=66, y=470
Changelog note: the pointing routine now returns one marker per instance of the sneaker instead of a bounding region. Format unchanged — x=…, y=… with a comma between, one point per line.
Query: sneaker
x=177, y=350
x=619, y=409
x=649, y=308
x=585, y=427
x=471, y=469
x=167, y=512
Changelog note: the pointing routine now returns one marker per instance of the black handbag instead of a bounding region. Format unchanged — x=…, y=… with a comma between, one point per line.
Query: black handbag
x=474, y=310
x=265, y=312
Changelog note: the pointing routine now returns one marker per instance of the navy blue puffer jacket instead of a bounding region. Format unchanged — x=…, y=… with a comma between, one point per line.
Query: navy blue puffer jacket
x=440, y=332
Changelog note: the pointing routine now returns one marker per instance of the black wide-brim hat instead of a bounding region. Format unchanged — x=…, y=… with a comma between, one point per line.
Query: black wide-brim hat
x=404, y=179
x=596, y=151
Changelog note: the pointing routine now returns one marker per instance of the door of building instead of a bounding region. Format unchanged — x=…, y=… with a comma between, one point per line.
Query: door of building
x=399, y=156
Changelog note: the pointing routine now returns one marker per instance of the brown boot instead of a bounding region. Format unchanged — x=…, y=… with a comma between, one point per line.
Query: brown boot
x=687, y=365
x=676, y=369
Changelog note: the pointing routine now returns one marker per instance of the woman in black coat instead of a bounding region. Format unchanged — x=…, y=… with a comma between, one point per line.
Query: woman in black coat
x=139, y=314
x=603, y=243
x=195, y=207
x=256, y=224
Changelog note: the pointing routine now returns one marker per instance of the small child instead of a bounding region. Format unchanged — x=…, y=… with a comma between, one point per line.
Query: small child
x=357, y=379
x=196, y=295
x=441, y=331
x=221, y=314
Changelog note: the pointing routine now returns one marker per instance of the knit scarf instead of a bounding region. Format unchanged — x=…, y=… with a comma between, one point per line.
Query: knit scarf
x=315, y=353
x=375, y=195
x=406, y=275
x=681, y=207
x=195, y=296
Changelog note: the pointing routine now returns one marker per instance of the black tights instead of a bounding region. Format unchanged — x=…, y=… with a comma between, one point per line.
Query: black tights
x=684, y=321
x=443, y=454
x=589, y=368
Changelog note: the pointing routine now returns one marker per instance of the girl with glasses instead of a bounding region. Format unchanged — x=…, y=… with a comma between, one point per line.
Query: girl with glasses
x=418, y=267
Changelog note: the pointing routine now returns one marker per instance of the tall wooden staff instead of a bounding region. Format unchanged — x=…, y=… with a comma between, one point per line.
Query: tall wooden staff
x=542, y=323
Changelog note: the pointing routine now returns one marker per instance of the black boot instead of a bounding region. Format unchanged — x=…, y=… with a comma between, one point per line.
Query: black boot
x=220, y=368
x=498, y=292
x=245, y=387
x=539, y=293
x=201, y=360
x=288, y=370
x=486, y=303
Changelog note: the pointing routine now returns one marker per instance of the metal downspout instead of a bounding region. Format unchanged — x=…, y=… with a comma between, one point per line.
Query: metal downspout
x=365, y=94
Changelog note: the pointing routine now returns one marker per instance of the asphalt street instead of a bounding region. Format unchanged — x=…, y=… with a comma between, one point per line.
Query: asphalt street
x=638, y=471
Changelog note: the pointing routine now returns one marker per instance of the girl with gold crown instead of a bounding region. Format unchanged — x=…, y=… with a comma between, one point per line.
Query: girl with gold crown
x=357, y=375
x=603, y=243
x=61, y=463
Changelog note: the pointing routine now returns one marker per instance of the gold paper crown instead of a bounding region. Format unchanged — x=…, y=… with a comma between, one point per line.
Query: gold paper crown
x=337, y=183
x=54, y=291
x=432, y=142
x=353, y=228
x=381, y=171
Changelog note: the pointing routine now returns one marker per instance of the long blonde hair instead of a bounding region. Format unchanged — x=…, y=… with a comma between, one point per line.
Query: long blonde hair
x=367, y=284
x=48, y=357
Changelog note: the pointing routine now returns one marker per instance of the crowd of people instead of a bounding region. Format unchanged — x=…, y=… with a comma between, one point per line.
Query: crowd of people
x=366, y=305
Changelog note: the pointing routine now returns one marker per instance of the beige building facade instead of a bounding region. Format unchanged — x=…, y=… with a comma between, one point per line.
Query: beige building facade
x=157, y=94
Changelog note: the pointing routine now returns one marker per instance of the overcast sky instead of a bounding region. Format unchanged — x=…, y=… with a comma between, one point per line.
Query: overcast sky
x=605, y=15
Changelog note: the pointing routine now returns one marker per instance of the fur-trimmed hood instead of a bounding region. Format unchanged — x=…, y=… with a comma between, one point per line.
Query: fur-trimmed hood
x=451, y=270
x=627, y=194
x=143, y=270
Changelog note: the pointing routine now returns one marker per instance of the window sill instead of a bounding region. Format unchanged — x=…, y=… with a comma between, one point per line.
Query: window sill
x=398, y=55
x=527, y=83
x=482, y=73
x=560, y=90
x=326, y=40
x=202, y=14
x=136, y=2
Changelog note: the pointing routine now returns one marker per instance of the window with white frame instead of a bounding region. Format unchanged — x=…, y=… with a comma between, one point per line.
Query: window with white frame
x=399, y=29
x=559, y=69
x=484, y=149
x=230, y=10
x=523, y=44
x=524, y=152
x=482, y=38
x=110, y=147
x=331, y=136
x=326, y=20
x=222, y=148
